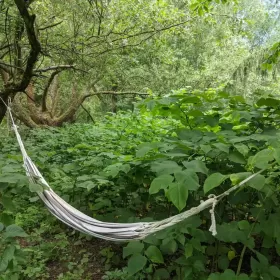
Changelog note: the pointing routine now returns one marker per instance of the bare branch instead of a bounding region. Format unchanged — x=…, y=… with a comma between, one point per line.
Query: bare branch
x=5, y=47
x=6, y=66
x=115, y=93
x=45, y=93
x=50, y=26
x=54, y=68
x=88, y=113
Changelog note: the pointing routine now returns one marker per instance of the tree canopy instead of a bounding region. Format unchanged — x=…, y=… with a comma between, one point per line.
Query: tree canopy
x=137, y=111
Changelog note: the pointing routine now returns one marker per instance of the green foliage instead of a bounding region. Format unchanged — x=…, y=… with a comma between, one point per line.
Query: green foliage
x=148, y=165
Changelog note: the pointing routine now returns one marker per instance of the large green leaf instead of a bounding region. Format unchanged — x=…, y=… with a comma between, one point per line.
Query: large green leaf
x=14, y=231
x=275, y=271
x=178, y=194
x=188, y=250
x=154, y=254
x=196, y=166
x=165, y=167
x=213, y=181
x=257, y=182
x=187, y=178
x=114, y=169
x=13, y=178
x=161, y=182
x=236, y=157
x=132, y=248
x=7, y=256
x=222, y=147
x=242, y=149
x=270, y=102
x=7, y=203
x=145, y=148
x=262, y=158
x=161, y=274
x=136, y=263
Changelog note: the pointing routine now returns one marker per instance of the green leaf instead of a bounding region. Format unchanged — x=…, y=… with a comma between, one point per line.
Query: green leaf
x=213, y=181
x=257, y=182
x=222, y=147
x=187, y=178
x=239, y=177
x=7, y=219
x=188, y=250
x=14, y=231
x=196, y=166
x=178, y=194
x=161, y=182
x=1, y=227
x=114, y=169
x=161, y=274
x=275, y=271
x=88, y=185
x=276, y=155
x=254, y=264
x=145, y=148
x=136, y=263
x=154, y=254
x=262, y=159
x=13, y=178
x=244, y=225
x=35, y=187
x=8, y=203
x=269, y=102
x=236, y=157
x=223, y=262
x=242, y=149
x=168, y=246
x=165, y=167
x=133, y=247
x=7, y=256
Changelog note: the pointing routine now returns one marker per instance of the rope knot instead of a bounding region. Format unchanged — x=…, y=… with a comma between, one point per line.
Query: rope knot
x=213, y=228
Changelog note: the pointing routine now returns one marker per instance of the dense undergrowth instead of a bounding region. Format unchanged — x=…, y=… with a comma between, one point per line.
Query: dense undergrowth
x=165, y=157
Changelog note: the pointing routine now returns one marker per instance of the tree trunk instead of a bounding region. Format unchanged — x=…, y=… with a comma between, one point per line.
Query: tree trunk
x=3, y=108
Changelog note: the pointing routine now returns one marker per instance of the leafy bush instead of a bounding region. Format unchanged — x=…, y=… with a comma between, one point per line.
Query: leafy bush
x=164, y=158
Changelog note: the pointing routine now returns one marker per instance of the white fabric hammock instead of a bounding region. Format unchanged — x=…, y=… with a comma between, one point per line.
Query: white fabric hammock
x=110, y=231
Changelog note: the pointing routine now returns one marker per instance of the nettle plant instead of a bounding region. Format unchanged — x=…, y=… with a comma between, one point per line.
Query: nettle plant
x=220, y=141
x=165, y=158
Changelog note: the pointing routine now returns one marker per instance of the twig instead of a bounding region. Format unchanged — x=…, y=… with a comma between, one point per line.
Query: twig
x=90, y=116
x=53, y=68
x=50, y=26
x=241, y=260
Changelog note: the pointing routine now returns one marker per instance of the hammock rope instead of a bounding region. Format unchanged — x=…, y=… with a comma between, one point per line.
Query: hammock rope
x=109, y=231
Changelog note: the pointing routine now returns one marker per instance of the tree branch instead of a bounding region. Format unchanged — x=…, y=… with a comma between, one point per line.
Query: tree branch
x=46, y=89
x=50, y=26
x=55, y=68
x=34, y=44
x=114, y=92
x=88, y=113
x=6, y=66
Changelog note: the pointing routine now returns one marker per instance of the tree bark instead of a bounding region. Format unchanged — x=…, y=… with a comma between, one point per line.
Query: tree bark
x=19, y=84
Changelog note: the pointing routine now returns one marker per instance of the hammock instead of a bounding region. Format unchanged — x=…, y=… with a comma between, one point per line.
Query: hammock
x=109, y=231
